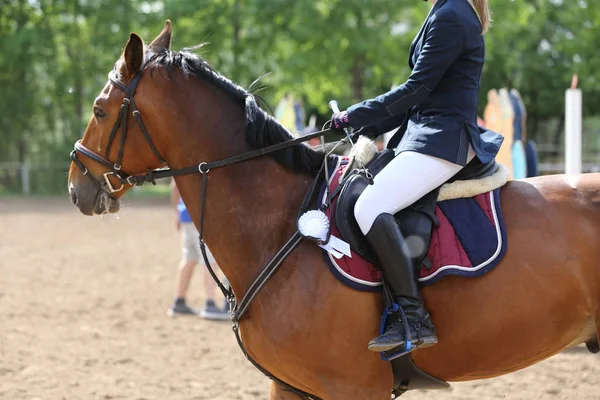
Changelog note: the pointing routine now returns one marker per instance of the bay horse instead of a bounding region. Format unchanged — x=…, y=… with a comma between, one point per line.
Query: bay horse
x=305, y=327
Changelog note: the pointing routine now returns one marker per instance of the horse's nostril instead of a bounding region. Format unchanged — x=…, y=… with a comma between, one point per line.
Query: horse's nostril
x=73, y=197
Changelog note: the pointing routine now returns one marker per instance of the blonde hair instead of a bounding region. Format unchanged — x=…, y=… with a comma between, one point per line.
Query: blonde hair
x=482, y=8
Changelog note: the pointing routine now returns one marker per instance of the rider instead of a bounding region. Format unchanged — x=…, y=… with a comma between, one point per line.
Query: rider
x=436, y=110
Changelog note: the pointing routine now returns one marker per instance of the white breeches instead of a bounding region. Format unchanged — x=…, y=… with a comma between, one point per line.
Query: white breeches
x=407, y=178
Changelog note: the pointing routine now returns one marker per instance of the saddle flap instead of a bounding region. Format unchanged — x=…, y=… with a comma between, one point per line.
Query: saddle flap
x=416, y=224
x=343, y=215
x=382, y=159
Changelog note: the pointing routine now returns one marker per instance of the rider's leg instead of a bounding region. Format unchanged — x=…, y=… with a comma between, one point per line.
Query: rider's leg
x=406, y=179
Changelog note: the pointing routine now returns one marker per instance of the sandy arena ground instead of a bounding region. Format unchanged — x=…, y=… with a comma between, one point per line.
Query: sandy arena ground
x=83, y=316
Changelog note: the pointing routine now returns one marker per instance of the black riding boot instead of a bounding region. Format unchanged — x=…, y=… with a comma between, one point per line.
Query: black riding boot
x=399, y=275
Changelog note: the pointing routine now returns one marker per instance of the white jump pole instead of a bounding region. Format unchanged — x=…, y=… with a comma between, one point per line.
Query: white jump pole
x=25, y=185
x=573, y=128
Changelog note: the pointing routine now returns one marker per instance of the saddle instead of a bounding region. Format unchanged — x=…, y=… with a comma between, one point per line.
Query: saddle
x=415, y=220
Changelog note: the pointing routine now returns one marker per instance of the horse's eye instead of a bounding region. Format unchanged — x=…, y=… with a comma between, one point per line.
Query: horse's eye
x=98, y=113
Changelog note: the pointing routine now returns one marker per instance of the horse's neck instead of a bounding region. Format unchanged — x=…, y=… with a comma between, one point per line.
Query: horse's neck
x=250, y=212
x=251, y=206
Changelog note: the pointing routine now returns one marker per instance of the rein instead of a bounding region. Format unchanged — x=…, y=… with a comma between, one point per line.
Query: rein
x=203, y=167
x=236, y=310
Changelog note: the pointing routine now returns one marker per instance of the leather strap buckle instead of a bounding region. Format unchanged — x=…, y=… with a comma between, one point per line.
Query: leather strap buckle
x=109, y=185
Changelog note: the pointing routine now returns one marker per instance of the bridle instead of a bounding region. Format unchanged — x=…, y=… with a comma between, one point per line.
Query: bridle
x=151, y=176
x=237, y=310
x=116, y=171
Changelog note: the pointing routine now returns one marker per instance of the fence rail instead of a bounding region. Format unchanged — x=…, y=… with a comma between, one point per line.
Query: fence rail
x=32, y=178
x=51, y=178
x=559, y=168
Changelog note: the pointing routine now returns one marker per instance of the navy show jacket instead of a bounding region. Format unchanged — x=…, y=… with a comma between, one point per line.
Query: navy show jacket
x=436, y=108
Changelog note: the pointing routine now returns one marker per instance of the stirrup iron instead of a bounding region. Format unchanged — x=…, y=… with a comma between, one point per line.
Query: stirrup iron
x=399, y=351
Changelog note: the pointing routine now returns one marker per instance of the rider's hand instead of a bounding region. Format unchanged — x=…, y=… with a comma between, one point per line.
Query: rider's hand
x=340, y=120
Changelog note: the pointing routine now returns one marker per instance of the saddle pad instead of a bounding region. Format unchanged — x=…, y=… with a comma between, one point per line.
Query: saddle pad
x=470, y=240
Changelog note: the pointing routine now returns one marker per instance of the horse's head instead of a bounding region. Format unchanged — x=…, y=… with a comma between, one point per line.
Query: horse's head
x=118, y=143
x=140, y=122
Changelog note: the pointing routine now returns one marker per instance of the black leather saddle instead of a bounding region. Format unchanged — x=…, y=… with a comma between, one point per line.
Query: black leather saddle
x=415, y=220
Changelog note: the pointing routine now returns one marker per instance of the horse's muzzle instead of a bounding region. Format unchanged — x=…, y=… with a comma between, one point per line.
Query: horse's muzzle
x=90, y=199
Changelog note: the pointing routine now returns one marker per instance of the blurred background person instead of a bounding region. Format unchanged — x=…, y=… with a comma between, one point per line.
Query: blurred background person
x=191, y=256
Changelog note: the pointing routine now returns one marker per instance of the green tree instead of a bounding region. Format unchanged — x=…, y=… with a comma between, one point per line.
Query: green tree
x=55, y=54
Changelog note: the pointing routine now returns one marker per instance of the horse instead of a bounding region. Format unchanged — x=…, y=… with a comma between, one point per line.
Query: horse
x=305, y=327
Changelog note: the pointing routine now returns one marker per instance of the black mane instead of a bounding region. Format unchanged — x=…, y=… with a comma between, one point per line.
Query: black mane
x=262, y=130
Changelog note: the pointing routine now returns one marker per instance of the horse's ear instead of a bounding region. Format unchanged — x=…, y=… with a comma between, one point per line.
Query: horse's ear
x=133, y=55
x=163, y=40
